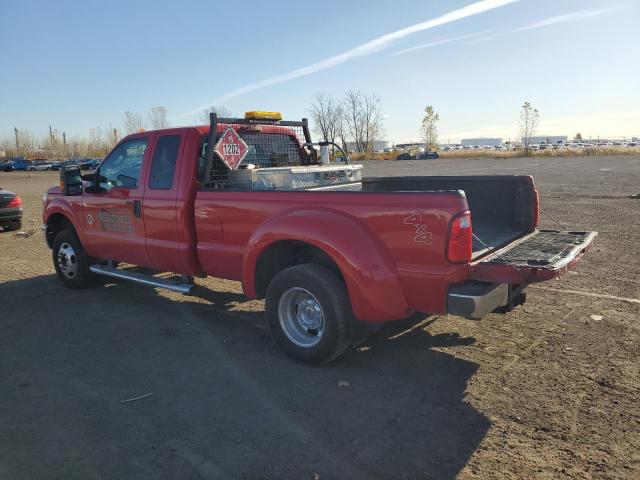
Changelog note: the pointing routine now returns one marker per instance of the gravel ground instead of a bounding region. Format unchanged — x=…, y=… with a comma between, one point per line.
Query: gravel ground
x=550, y=390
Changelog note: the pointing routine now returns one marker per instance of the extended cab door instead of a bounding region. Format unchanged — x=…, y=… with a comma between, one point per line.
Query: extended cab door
x=113, y=221
x=162, y=203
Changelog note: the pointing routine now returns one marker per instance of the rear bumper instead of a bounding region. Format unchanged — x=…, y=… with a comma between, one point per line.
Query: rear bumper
x=43, y=229
x=474, y=300
x=8, y=215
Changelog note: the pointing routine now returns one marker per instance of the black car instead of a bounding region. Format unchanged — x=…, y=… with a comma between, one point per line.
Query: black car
x=428, y=156
x=85, y=163
x=59, y=165
x=405, y=156
x=10, y=210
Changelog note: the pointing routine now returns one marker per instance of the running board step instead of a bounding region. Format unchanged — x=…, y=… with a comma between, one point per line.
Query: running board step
x=143, y=279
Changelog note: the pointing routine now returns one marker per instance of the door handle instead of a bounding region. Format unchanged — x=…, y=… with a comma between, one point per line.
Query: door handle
x=137, y=207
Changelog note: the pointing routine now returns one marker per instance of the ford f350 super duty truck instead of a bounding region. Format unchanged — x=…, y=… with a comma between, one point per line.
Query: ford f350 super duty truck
x=329, y=261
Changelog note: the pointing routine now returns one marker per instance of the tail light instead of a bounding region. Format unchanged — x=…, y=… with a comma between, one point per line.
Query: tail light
x=536, y=209
x=15, y=202
x=460, y=240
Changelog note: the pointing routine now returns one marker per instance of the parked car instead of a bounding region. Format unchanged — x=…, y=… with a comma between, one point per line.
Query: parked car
x=39, y=165
x=89, y=163
x=428, y=156
x=330, y=264
x=10, y=210
x=405, y=156
x=59, y=165
x=84, y=163
x=16, y=163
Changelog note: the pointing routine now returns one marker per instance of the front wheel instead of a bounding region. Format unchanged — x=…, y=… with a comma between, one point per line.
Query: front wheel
x=71, y=261
x=309, y=314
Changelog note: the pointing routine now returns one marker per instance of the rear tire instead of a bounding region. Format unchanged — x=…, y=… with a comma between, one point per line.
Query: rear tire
x=308, y=311
x=71, y=261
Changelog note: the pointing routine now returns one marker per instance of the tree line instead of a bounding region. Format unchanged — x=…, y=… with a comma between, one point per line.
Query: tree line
x=354, y=121
x=99, y=141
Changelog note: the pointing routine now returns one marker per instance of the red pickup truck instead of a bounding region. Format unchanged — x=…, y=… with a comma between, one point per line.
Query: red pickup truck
x=330, y=263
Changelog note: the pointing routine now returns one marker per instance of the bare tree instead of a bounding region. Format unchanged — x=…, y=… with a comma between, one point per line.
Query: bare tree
x=158, y=117
x=132, y=122
x=27, y=143
x=578, y=137
x=326, y=114
x=529, y=120
x=430, y=128
x=221, y=111
x=362, y=116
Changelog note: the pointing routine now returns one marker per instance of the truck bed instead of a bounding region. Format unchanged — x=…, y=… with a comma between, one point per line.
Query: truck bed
x=502, y=207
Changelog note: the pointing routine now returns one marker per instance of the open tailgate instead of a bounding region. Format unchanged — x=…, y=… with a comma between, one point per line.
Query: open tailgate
x=539, y=256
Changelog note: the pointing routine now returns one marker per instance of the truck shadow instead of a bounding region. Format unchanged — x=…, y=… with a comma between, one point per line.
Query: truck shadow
x=226, y=402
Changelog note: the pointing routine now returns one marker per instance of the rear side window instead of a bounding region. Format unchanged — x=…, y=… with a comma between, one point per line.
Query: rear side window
x=271, y=149
x=163, y=166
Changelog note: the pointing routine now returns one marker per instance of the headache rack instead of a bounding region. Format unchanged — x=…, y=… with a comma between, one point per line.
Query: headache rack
x=272, y=143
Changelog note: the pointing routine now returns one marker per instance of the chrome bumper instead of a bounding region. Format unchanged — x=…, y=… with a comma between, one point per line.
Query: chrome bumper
x=43, y=228
x=474, y=300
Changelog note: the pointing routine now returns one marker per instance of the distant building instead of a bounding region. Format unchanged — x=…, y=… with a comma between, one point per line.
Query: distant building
x=472, y=142
x=410, y=146
x=547, y=139
x=377, y=145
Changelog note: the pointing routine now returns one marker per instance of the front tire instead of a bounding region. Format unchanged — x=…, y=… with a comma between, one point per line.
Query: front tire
x=309, y=313
x=71, y=261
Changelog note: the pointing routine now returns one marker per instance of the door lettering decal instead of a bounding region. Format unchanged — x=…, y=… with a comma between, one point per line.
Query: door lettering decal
x=115, y=223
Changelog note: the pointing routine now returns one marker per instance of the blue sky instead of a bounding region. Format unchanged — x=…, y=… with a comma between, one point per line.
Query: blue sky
x=80, y=64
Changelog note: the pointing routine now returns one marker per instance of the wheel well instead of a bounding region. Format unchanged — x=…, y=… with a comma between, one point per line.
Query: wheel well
x=284, y=254
x=56, y=223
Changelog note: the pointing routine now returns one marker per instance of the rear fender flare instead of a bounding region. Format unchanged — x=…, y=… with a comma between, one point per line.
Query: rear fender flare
x=367, y=267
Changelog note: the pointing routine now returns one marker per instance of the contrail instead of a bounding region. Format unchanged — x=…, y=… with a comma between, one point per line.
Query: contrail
x=439, y=42
x=569, y=17
x=362, y=50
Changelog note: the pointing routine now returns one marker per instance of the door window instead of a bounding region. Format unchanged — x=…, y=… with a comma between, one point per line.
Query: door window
x=122, y=167
x=163, y=165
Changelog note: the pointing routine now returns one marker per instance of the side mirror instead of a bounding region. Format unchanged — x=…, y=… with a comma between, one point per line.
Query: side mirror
x=71, y=180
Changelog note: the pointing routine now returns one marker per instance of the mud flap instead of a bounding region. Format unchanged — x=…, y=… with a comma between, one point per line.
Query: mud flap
x=539, y=256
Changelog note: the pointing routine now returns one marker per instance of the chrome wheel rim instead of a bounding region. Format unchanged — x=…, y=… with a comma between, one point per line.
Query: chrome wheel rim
x=67, y=261
x=301, y=317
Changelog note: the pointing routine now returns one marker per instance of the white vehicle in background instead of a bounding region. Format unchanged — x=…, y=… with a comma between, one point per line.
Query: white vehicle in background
x=38, y=166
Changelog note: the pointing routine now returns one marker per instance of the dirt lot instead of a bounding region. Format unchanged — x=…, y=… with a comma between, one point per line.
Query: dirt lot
x=551, y=390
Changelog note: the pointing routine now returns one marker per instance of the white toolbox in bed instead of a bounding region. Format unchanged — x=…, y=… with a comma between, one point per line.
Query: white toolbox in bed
x=311, y=177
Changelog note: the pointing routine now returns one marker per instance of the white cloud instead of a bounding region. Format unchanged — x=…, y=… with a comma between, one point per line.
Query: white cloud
x=362, y=50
